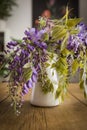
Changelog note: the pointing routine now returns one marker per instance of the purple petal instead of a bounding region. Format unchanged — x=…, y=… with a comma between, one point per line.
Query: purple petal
x=27, y=33
x=10, y=47
x=43, y=45
x=12, y=43
x=25, y=89
x=30, y=47
x=30, y=84
x=34, y=77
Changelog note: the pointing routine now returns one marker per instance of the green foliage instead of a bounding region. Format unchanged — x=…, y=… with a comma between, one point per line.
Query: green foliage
x=27, y=74
x=47, y=64
x=6, y=7
x=64, y=42
x=73, y=22
x=42, y=22
x=62, y=69
x=61, y=90
x=75, y=66
x=61, y=66
x=47, y=86
x=58, y=93
x=46, y=37
x=62, y=30
x=46, y=83
x=81, y=84
x=85, y=95
x=58, y=32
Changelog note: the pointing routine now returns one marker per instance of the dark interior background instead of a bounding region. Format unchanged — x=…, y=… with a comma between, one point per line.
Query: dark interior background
x=1, y=41
x=39, y=6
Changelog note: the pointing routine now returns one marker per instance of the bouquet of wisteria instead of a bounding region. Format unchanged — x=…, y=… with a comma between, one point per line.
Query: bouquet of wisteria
x=65, y=39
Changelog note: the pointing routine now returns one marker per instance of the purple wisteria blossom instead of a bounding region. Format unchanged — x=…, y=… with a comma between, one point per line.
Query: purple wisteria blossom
x=82, y=33
x=29, y=83
x=73, y=43
x=76, y=41
x=32, y=51
x=36, y=37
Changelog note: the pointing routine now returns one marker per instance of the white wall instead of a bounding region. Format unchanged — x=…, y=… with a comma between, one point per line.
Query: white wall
x=21, y=19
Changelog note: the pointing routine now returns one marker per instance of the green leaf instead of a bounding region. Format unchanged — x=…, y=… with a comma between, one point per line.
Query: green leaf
x=45, y=37
x=81, y=73
x=67, y=14
x=75, y=66
x=48, y=86
x=58, y=93
x=62, y=89
x=42, y=22
x=63, y=45
x=81, y=84
x=27, y=65
x=74, y=31
x=57, y=28
x=58, y=31
x=47, y=64
x=59, y=35
x=27, y=74
x=73, y=22
x=54, y=65
x=65, y=52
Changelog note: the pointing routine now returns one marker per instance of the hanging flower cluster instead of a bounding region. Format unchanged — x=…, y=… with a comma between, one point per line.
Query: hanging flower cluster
x=76, y=41
x=66, y=38
x=25, y=63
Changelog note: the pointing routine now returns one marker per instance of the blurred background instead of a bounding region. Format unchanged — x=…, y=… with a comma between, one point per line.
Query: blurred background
x=22, y=16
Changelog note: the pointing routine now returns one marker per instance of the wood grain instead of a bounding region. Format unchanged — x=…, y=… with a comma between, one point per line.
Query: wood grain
x=3, y=91
x=70, y=115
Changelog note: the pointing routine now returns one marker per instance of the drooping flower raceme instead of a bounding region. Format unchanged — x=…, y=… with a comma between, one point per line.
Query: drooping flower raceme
x=25, y=65
x=78, y=41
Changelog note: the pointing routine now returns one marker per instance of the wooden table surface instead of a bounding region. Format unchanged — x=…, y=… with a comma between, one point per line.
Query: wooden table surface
x=70, y=115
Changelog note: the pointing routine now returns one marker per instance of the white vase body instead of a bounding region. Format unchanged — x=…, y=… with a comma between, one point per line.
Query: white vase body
x=38, y=97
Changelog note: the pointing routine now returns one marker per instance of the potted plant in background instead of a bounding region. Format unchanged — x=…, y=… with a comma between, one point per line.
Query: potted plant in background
x=6, y=7
x=45, y=59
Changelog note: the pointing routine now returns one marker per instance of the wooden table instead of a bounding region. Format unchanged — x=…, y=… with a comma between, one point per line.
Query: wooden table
x=70, y=115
